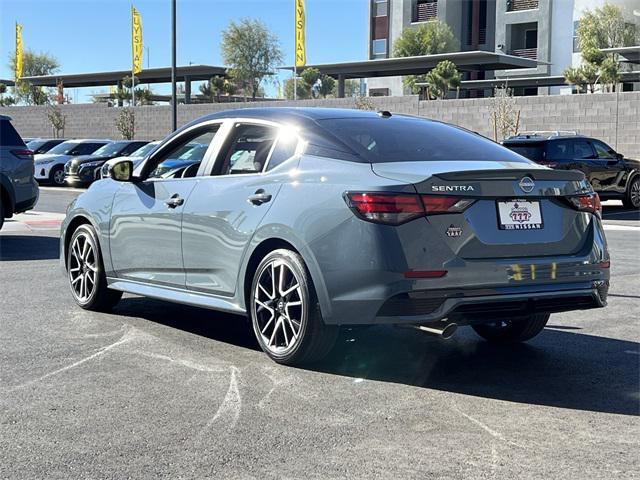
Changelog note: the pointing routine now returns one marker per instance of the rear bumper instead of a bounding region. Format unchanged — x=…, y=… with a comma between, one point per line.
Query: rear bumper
x=26, y=196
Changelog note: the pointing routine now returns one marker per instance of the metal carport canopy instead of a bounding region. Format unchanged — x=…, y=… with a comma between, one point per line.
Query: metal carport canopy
x=391, y=67
x=151, y=75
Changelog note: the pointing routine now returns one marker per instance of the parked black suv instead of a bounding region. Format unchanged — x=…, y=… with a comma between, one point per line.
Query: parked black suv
x=610, y=174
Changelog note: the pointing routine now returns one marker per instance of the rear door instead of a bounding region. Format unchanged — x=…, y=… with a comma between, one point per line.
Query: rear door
x=146, y=219
x=610, y=168
x=229, y=203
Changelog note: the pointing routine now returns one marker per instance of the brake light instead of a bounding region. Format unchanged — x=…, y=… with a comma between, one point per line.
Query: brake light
x=587, y=203
x=23, y=154
x=398, y=208
x=390, y=208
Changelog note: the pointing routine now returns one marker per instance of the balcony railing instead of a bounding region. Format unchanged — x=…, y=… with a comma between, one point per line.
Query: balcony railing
x=531, y=53
x=517, y=5
x=426, y=11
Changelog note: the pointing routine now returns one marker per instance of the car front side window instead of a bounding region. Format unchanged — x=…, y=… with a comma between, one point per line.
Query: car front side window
x=603, y=151
x=582, y=150
x=183, y=157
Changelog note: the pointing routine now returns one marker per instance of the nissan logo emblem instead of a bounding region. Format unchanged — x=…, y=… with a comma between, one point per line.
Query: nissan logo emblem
x=526, y=184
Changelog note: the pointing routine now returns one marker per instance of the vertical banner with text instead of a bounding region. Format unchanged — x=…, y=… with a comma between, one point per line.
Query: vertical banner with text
x=19, y=52
x=136, y=41
x=301, y=49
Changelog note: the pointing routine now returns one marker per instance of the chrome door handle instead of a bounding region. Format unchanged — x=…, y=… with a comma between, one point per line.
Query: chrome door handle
x=260, y=197
x=175, y=201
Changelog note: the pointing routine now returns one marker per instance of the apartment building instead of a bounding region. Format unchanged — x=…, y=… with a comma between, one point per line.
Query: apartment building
x=538, y=29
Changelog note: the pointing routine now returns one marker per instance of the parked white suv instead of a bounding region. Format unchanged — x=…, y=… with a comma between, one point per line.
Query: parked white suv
x=49, y=167
x=18, y=189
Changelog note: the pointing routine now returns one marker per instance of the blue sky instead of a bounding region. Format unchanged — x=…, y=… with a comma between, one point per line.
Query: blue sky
x=94, y=35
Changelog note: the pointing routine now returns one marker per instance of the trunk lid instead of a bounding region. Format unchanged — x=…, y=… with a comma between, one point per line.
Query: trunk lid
x=517, y=212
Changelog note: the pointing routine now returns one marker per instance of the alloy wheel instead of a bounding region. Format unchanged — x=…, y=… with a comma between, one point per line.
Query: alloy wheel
x=635, y=193
x=83, y=269
x=278, y=307
x=58, y=177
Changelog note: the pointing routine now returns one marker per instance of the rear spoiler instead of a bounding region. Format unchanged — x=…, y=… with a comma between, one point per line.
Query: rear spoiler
x=513, y=174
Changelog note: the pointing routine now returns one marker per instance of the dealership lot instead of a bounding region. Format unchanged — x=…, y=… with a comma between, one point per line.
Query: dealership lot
x=157, y=389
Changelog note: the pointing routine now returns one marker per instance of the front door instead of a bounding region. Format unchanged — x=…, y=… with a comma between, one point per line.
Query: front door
x=146, y=219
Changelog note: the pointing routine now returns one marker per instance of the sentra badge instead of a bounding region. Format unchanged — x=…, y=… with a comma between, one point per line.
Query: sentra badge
x=452, y=188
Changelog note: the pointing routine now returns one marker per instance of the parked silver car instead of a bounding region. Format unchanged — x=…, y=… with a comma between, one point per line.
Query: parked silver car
x=310, y=219
x=18, y=188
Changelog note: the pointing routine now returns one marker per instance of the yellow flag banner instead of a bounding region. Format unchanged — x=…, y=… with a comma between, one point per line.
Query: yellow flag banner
x=301, y=49
x=19, y=53
x=136, y=40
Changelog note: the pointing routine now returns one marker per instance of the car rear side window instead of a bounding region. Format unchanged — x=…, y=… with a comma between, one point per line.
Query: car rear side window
x=560, y=150
x=405, y=139
x=86, y=148
x=9, y=136
x=582, y=149
x=285, y=148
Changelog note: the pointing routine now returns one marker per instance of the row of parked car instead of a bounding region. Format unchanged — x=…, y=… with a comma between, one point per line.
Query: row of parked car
x=80, y=162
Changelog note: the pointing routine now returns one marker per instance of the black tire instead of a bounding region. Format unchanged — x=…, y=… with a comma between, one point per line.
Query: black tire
x=56, y=176
x=314, y=339
x=1, y=212
x=101, y=298
x=632, y=195
x=513, y=331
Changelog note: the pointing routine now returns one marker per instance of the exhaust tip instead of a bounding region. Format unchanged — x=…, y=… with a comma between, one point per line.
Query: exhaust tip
x=449, y=331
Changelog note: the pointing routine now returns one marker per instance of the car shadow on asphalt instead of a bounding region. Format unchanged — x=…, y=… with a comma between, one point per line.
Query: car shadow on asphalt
x=616, y=212
x=559, y=368
x=28, y=247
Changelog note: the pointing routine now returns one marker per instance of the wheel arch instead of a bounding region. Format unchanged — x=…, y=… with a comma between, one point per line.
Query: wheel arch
x=71, y=227
x=266, y=245
x=7, y=196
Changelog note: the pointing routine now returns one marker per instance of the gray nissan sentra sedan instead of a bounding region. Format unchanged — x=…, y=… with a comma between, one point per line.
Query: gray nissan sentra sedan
x=307, y=220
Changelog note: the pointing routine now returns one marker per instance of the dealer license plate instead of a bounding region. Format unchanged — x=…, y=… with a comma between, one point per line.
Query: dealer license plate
x=519, y=215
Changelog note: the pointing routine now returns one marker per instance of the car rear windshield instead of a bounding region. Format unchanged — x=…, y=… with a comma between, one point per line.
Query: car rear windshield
x=8, y=135
x=404, y=139
x=532, y=151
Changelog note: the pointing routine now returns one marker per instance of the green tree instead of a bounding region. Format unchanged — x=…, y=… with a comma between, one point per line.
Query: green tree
x=33, y=64
x=328, y=86
x=57, y=120
x=7, y=100
x=427, y=39
x=442, y=78
x=229, y=88
x=309, y=77
x=301, y=89
x=252, y=52
x=584, y=77
x=604, y=27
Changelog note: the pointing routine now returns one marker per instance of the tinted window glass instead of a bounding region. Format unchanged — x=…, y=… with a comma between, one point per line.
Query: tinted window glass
x=85, y=148
x=9, y=136
x=144, y=150
x=531, y=151
x=110, y=148
x=36, y=145
x=63, y=148
x=559, y=150
x=603, y=151
x=132, y=147
x=248, y=149
x=582, y=149
x=403, y=139
x=183, y=160
x=285, y=149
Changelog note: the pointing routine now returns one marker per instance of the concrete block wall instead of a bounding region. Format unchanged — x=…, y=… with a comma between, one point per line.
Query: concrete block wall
x=614, y=118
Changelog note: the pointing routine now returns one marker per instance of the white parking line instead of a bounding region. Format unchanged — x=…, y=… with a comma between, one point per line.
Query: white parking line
x=628, y=228
x=62, y=189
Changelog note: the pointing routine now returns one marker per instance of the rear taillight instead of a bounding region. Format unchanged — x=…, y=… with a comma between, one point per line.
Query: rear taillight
x=587, y=203
x=23, y=154
x=391, y=208
x=445, y=204
x=398, y=208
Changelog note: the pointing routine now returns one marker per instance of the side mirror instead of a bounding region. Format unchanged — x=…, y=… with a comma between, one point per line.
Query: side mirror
x=122, y=171
x=619, y=156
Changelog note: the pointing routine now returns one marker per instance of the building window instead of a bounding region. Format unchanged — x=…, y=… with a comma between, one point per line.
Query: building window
x=576, y=45
x=424, y=10
x=517, y=5
x=380, y=8
x=379, y=48
x=378, y=92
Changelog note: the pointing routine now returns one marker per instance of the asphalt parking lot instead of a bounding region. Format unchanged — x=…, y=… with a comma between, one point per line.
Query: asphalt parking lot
x=161, y=390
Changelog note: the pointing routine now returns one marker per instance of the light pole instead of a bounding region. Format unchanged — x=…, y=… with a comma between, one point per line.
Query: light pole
x=174, y=103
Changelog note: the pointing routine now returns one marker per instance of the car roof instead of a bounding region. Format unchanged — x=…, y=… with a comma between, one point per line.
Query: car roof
x=5, y=117
x=83, y=140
